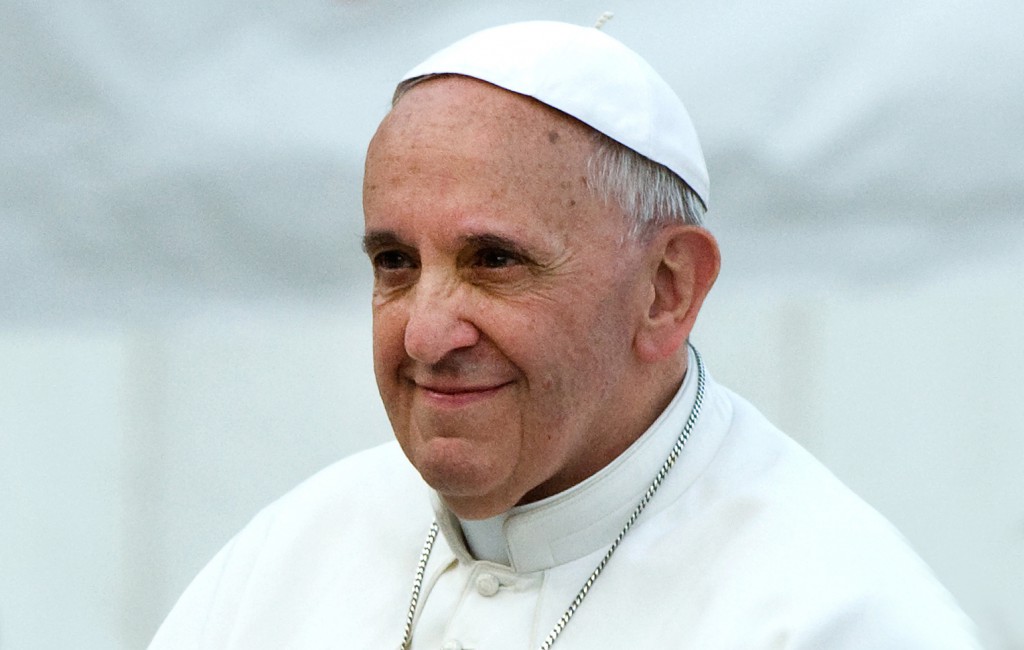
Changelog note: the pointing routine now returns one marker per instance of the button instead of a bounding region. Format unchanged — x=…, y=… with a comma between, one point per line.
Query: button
x=487, y=584
x=451, y=644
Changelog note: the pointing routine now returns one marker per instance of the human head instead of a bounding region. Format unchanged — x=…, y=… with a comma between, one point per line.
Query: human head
x=522, y=339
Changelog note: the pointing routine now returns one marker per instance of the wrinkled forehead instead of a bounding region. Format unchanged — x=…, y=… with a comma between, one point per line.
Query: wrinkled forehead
x=478, y=156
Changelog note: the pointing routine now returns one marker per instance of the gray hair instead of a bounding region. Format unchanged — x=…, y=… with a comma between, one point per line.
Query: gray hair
x=650, y=194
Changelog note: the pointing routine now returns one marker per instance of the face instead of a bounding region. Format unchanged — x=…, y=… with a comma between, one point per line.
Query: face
x=506, y=296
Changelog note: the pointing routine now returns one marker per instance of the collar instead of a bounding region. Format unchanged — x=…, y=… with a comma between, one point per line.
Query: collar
x=587, y=517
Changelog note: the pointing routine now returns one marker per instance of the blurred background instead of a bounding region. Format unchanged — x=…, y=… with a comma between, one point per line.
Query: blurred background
x=184, y=322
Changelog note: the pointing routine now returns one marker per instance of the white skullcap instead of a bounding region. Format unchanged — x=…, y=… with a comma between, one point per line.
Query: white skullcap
x=589, y=75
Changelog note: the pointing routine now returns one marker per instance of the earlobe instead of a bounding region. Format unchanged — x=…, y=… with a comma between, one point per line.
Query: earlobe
x=684, y=264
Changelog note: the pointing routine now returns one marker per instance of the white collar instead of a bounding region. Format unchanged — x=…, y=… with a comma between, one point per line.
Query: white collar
x=588, y=516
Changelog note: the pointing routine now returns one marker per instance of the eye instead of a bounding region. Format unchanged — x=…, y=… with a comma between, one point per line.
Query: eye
x=392, y=260
x=496, y=258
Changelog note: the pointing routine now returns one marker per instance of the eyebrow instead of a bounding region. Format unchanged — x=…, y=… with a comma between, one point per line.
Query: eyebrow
x=497, y=241
x=385, y=238
x=380, y=239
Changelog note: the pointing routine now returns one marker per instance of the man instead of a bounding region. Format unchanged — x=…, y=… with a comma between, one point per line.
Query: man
x=532, y=208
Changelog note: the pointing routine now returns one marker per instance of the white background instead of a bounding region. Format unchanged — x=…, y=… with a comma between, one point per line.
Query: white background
x=184, y=324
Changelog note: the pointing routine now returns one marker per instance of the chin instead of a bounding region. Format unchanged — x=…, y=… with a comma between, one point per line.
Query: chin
x=474, y=487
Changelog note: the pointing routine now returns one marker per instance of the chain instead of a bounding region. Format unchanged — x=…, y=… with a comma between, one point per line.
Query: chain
x=659, y=478
x=417, y=584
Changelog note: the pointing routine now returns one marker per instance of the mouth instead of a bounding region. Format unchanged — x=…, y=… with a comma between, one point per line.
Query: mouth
x=453, y=396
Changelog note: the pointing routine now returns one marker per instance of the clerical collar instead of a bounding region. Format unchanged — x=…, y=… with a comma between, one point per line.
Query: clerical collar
x=485, y=538
x=587, y=517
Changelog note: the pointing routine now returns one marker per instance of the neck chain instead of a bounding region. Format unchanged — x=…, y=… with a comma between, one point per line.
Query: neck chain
x=659, y=478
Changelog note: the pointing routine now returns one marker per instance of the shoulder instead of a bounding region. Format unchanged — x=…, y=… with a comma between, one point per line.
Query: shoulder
x=353, y=482
x=340, y=501
x=788, y=532
x=336, y=534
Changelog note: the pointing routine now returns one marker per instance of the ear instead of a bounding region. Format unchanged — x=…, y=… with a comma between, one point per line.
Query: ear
x=683, y=264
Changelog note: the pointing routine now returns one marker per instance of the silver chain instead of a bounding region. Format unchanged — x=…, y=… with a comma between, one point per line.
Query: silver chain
x=659, y=478
x=417, y=584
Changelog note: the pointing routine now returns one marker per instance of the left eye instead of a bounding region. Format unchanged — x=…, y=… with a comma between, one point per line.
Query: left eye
x=495, y=258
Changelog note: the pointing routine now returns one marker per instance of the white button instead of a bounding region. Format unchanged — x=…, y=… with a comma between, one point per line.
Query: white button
x=451, y=644
x=487, y=584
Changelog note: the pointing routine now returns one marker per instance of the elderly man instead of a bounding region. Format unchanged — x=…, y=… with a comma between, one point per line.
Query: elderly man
x=568, y=472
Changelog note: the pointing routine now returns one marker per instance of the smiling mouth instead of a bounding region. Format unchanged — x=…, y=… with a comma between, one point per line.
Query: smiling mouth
x=454, y=396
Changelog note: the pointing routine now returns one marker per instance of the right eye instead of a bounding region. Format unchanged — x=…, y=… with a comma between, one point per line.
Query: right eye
x=391, y=260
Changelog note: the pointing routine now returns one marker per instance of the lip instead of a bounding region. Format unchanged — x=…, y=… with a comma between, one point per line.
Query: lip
x=453, y=396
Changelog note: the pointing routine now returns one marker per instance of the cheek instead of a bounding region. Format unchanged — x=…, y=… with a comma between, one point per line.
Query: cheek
x=388, y=348
x=583, y=350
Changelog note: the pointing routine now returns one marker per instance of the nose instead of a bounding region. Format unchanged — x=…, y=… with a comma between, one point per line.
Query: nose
x=437, y=322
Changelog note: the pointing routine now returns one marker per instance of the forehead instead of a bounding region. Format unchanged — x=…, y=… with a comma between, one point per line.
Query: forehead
x=462, y=154
x=477, y=118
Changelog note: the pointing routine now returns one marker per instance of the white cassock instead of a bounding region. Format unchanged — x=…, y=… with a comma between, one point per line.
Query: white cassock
x=749, y=544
